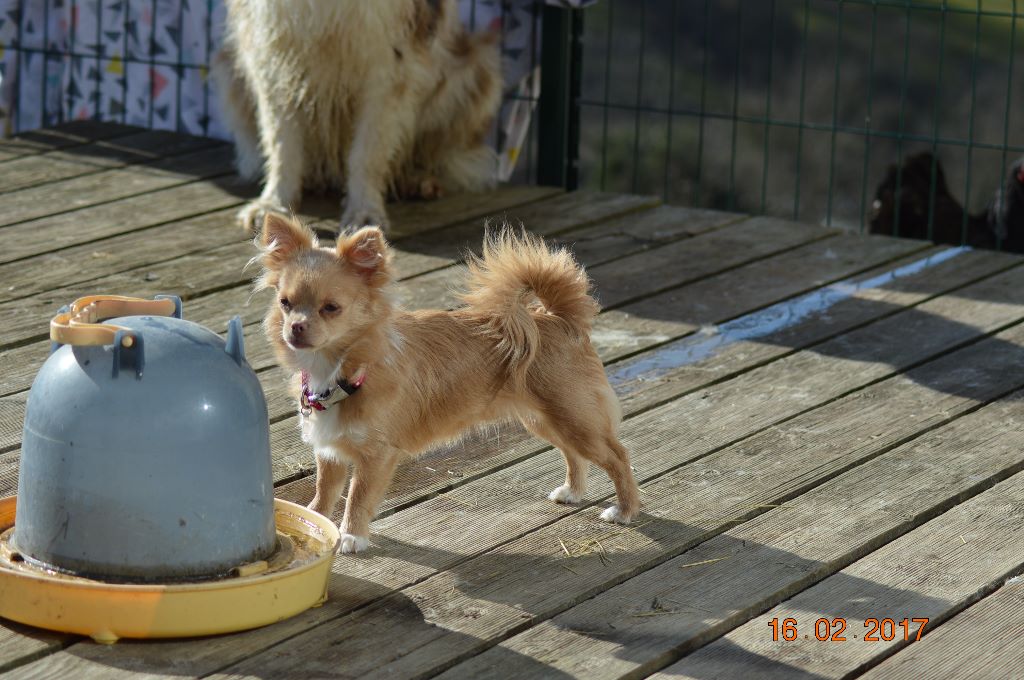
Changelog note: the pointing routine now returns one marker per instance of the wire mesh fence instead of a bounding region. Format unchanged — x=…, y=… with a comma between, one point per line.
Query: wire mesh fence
x=797, y=108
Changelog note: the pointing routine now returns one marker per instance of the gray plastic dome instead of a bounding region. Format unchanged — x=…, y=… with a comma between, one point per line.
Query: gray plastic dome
x=147, y=458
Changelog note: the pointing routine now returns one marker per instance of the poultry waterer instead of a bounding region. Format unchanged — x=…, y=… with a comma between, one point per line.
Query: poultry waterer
x=145, y=500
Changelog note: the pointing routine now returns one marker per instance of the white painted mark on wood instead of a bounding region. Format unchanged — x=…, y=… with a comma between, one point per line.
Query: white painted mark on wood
x=711, y=340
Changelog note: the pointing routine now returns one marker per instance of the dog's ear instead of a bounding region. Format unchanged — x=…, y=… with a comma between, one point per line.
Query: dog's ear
x=367, y=251
x=282, y=237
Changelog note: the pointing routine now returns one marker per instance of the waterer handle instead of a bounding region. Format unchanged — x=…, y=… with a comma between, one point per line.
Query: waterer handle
x=81, y=323
x=235, y=344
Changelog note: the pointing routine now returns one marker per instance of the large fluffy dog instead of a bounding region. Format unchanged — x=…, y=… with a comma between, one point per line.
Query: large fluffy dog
x=370, y=97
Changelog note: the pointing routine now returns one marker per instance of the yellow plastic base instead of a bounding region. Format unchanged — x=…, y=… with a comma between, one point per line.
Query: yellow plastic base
x=108, y=611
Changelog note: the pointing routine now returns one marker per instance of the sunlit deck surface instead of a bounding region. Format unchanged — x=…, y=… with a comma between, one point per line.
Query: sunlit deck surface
x=825, y=426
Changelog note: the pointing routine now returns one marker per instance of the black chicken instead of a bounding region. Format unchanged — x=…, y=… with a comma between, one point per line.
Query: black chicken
x=915, y=179
x=1006, y=212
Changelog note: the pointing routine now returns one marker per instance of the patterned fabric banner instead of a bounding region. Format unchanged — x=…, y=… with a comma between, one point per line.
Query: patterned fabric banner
x=144, y=62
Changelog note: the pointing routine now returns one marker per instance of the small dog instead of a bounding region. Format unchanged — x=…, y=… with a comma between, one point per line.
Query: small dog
x=379, y=385
x=362, y=96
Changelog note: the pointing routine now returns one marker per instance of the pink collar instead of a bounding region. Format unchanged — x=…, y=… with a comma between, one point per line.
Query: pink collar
x=310, y=401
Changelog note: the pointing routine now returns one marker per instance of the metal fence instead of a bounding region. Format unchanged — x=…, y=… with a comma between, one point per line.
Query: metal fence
x=798, y=108
x=793, y=108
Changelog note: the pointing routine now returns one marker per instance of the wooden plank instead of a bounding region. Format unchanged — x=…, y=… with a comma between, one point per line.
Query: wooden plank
x=62, y=136
x=12, y=417
x=443, y=532
x=411, y=218
x=109, y=185
x=719, y=352
x=628, y=278
x=471, y=604
x=672, y=314
x=984, y=641
x=31, y=286
x=933, y=572
x=48, y=234
x=561, y=213
x=635, y=232
x=125, y=251
x=139, y=147
x=17, y=317
x=20, y=644
x=568, y=209
x=663, y=614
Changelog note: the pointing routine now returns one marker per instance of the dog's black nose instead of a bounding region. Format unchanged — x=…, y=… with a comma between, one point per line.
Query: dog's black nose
x=298, y=328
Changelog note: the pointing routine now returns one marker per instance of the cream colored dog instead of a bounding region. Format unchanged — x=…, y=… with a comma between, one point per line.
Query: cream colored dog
x=369, y=97
x=379, y=385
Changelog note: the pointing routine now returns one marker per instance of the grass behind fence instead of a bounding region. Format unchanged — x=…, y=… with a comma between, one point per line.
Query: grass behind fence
x=796, y=108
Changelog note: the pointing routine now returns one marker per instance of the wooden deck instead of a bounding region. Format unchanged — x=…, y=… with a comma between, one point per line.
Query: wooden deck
x=825, y=426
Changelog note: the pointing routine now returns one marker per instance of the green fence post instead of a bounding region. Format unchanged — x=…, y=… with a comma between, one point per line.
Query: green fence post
x=558, y=116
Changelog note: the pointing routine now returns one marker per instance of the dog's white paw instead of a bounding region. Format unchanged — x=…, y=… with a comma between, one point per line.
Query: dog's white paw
x=357, y=216
x=251, y=216
x=564, y=494
x=613, y=514
x=350, y=543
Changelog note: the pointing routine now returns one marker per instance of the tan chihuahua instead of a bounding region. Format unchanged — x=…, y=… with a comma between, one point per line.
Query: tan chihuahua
x=379, y=384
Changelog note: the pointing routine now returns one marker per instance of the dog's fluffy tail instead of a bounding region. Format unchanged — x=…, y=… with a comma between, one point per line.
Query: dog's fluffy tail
x=517, y=277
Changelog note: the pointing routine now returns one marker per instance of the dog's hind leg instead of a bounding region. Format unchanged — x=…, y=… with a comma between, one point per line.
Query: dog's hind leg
x=611, y=455
x=239, y=110
x=576, y=465
x=586, y=429
x=452, y=132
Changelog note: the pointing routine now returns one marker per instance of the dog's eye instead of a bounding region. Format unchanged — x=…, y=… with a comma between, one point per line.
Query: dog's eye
x=285, y=303
x=330, y=308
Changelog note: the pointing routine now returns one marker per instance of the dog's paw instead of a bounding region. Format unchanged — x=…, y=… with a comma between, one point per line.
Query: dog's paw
x=564, y=494
x=613, y=514
x=251, y=216
x=424, y=188
x=356, y=217
x=350, y=543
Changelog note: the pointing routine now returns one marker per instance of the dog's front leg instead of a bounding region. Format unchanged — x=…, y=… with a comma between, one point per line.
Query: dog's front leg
x=385, y=122
x=282, y=143
x=331, y=475
x=371, y=475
